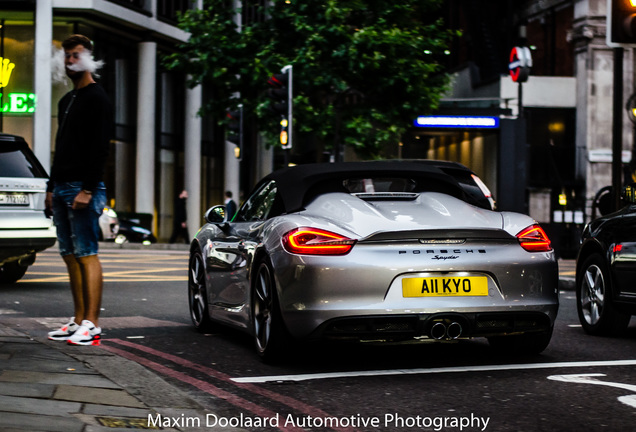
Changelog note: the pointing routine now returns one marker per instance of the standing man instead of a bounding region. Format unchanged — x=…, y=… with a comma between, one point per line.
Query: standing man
x=230, y=206
x=180, y=225
x=76, y=193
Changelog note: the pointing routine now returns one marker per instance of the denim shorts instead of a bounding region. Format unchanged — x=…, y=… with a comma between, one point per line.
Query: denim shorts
x=77, y=230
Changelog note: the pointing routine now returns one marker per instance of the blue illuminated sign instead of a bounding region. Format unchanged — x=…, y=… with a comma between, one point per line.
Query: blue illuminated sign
x=457, y=122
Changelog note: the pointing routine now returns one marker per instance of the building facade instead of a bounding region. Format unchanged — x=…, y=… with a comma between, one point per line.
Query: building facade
x=162, y=145
x=563, y=111
x=566, y=103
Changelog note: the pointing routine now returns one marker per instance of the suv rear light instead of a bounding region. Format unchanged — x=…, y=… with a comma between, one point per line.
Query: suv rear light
x=312, y=241
x=534, y=239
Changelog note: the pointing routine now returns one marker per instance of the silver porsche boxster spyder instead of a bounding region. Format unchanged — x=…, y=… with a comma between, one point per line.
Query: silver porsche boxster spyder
x=382, y=250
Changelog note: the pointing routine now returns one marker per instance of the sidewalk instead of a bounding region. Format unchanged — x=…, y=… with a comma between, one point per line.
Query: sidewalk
x=50, y=386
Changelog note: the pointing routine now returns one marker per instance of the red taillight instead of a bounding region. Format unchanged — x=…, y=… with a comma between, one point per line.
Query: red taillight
x=311, y=241
x=534, y=239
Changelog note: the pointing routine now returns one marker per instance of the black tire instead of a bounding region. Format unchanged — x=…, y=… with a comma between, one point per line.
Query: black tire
x=270, y=335
x=594, y=303
x=12, y=272
x=197, y=293
x=524, y=344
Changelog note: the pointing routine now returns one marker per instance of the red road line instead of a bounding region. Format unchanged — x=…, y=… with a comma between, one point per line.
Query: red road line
x=201, y=385
x=286, y=400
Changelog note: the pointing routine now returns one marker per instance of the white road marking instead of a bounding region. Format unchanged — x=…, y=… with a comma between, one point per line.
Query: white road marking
x=628, y=400
x=590, y=379
x=389, y=372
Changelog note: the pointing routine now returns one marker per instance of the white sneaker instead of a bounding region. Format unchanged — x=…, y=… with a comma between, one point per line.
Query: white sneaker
x=86, y=334
x=64, y=332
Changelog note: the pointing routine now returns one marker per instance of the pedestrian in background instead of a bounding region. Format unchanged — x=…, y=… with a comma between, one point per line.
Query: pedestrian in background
x=230, y=206
x=180, y=226
x=76, y=193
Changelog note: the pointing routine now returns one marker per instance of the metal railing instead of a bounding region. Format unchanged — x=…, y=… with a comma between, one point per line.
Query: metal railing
x=168, y=10
x=136, y=5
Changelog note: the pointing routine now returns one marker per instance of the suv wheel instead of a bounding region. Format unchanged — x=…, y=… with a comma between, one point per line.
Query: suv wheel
x=12, y=272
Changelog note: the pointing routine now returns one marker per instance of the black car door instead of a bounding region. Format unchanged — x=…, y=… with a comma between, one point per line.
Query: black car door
x=624, y=249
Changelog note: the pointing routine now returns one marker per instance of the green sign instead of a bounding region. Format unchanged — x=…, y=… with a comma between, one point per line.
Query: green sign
x=18, y=103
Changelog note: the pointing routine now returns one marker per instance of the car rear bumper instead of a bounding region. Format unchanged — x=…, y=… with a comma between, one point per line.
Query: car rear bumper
x=14, y=246
x=441, y=326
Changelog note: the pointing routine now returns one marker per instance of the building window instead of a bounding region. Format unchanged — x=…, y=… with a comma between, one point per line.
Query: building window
x=254, y=11
x=169, y=10
x=136, y=5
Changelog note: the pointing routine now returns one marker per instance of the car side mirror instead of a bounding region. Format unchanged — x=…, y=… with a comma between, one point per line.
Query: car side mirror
x=216, y=214
x=628, y=194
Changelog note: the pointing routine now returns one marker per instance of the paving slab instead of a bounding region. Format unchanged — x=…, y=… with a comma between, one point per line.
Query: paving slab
x=45, y=407
x=11, y=421
x=69, y=378
x=96, y=396
x=34, y=390
x=8, y=332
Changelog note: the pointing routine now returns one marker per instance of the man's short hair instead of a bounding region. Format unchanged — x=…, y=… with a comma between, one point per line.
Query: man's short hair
x=228, y=194
x=75, y=40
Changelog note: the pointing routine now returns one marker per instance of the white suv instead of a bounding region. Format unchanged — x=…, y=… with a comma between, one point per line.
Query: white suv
x=24, y=228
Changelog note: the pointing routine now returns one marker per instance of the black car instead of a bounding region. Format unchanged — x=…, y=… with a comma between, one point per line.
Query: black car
x=132, y=231
x=606, y=270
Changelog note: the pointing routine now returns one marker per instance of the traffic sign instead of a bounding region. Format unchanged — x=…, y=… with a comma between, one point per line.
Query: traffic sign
x=520, y=64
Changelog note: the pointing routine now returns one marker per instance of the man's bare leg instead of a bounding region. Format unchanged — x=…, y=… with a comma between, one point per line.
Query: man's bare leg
x=91, y=270
x=76, y=279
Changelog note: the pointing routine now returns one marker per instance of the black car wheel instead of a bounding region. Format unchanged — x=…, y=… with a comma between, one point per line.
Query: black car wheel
x=597, y=314
x=12, y=272
x=270, y=335
x=197, y=293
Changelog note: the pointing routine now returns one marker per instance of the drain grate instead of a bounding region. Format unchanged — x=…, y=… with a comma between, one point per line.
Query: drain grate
x=127, y=423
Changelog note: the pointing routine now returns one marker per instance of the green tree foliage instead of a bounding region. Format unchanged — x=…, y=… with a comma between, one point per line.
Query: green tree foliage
x=363, y=69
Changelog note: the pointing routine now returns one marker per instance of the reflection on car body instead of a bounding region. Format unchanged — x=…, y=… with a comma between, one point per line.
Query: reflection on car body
x=374, y=250
x=108, y=224
x=606, y=270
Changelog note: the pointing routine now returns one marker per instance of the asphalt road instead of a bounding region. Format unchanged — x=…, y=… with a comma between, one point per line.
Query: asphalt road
x=578, y=383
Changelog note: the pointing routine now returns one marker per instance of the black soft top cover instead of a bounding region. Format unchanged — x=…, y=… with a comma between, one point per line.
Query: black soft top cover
x=299, y=185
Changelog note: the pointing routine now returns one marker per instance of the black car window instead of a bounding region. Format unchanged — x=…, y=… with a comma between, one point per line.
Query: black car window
x=379, y=184
x=16, y=161
x=259, y=205
x=468, y=184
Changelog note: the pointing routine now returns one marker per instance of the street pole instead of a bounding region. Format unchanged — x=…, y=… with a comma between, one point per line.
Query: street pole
x=617, y=128
x=289, y=69
x=520, y=95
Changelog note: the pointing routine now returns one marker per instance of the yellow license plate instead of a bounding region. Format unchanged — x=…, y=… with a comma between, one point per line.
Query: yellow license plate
x=445, y=286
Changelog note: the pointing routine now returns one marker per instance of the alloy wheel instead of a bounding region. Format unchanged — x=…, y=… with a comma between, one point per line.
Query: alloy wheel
x=196, y=292
x=263, y=304
x=592, y=294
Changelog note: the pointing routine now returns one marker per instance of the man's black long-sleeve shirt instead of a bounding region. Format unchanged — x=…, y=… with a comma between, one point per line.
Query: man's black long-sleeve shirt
x=85, y=128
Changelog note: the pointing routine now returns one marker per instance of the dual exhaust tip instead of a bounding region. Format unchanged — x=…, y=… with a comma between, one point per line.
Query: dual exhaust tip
x=448, y=331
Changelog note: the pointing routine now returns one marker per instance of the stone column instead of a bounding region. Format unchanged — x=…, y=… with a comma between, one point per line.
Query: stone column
x=146, y=102
x=192, y=158
x=42, y=85
x=595, y=83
